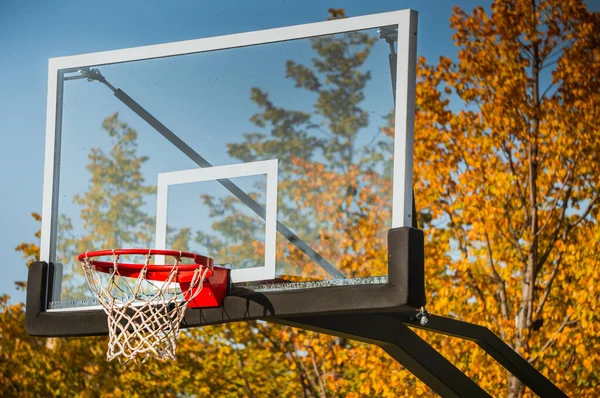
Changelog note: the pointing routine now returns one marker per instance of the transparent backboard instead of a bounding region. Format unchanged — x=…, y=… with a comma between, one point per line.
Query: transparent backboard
x=278, y=153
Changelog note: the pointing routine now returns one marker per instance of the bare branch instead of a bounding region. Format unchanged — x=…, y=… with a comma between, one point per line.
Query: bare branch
x=317, y=372
x=513, y=238
x=555, y=234
x=571, y=359
x=566, y=322
x=547, y=63
x=513, y=171
x=309, y=378
x=569, y=228
x=565, y=182
x=526, y=49
x=490, y=254
x=548, y=287
x=478, y=290
x=242, y=368
x=554, y=55
x=469, y=273
x=499, y=280
x=586, y=212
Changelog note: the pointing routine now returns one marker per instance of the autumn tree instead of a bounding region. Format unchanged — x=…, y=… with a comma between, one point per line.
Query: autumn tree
x=507, y=151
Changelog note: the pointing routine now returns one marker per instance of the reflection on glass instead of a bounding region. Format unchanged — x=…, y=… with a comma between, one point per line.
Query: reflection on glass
x=322, y=106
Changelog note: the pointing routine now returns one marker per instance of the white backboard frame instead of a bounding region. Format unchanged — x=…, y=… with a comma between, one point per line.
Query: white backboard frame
x=405, y=20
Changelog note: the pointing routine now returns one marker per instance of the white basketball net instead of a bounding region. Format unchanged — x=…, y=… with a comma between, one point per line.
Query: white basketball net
x=143, y=316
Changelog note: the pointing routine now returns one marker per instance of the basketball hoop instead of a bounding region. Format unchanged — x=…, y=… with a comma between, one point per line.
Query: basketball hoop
x=144, y=317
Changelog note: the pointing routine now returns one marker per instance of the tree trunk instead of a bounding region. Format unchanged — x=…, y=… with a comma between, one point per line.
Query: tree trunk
x=525, y=316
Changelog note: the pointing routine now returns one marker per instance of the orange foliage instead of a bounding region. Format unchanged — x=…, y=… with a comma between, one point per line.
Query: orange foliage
x=507, y=151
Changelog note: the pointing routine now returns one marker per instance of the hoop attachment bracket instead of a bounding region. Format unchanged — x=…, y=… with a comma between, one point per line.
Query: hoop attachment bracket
x=213, y=292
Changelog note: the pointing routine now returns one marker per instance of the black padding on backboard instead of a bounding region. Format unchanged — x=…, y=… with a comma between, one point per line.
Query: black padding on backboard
x=406, y=263
x=39, y=322
x=404, y=292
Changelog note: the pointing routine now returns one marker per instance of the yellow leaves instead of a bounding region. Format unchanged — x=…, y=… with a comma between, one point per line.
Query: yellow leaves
x=365, y=389
x=581, y=349
x=472, y=174
x=472, y=178
x=31, y=251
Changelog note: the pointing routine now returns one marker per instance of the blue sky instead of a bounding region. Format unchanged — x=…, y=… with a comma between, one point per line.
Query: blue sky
x=31, y=32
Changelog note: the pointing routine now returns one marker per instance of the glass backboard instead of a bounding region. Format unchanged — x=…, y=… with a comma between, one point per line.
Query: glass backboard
x=279, y=153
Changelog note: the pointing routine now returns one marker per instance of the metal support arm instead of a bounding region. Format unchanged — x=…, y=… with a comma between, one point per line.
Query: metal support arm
x=401, y=343
x=495, y=347
x=391, y=332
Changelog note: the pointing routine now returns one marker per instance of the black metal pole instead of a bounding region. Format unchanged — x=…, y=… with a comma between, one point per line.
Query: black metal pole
x=495, y=347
